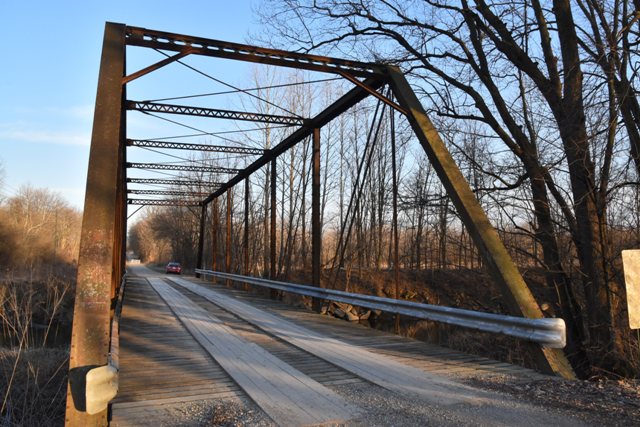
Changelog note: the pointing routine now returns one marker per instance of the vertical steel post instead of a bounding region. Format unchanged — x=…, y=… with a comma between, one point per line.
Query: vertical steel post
x=118, y=242
x=272, y=227
x=214, y=234
x=100, y=236
x=396, y=243
x=519, y=298
x=245, y=243
x=227, y=255
x=203, y=217
x=316, y=226
x=121, y=255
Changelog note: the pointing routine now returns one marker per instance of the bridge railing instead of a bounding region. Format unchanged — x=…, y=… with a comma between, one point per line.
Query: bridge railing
x=548, y=332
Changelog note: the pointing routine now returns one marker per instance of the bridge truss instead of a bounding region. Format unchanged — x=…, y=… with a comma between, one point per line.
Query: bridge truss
x=102, y=250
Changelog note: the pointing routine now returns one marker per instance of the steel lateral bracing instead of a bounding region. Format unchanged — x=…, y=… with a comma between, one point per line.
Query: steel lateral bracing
x=214, y=113
x=176, y=182
x=184, y=168
x=166, y=193
x=547, y=332
x=194, y=147
x=164, y=202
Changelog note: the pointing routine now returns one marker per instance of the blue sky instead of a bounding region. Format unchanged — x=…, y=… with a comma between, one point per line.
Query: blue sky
x=51, y=55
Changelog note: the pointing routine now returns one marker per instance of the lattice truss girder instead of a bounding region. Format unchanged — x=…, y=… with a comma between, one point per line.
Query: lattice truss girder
x=146, y=106
x=183, y=168
x=167, y=193
x=173, y=182
x=165, y=202
x=194, y=147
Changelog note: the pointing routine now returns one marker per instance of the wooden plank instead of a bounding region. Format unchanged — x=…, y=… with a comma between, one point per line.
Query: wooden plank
x=379, y=369
x=288, y=396
x=161, y=364
x=151, y=402
x=312, y=366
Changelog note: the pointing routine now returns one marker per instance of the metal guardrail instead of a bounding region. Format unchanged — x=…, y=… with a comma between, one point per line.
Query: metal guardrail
x=546, y=332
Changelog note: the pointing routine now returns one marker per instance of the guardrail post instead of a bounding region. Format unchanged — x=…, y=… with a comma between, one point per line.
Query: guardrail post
x=519, y=298
x=316, y=226
x=99, y=262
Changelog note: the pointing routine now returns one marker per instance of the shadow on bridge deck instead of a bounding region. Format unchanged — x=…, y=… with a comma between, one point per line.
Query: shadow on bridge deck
x=163, y=367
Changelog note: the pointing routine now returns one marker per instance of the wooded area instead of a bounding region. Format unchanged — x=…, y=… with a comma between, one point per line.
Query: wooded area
x=538, y=103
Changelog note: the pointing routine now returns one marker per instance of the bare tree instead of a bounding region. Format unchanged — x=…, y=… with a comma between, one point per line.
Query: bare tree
x=468, y=58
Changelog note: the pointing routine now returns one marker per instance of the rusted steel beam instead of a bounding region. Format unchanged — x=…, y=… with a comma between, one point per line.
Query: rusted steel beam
x=200, y=256
x=245, y=240
x=120, y=252
x=185, y=51
x=374, y=93
x=166, y=193
x=394, y=220
x=247, y=198
x=165, y=202
x=220, y=49
x=519, y=298
x=214, y=235
x=184, y=168
x=155, y=181
x=347, y=101
x=272, y=223
x=100, y=235
x=272, y=218
x=194, y=147
x=316, y=226
x=214, y=113
x=227, y=255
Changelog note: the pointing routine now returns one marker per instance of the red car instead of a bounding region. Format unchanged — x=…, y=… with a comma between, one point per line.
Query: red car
x=174, y=267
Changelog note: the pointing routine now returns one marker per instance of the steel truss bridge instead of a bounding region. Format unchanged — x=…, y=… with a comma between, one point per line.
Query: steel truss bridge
x=98, y=304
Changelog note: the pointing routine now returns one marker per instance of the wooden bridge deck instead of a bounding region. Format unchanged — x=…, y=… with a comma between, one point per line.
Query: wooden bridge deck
x=163, y=366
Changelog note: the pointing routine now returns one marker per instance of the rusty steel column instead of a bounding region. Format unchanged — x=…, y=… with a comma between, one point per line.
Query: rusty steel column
x=214, y=234
x=396, y=243
x=519, y=298
x=245, y=243
x=121, y=256
x=119, y=226
x=227, y=255
x=100, y=236
x=203, y=217
x=316, y=226
x=272, y=227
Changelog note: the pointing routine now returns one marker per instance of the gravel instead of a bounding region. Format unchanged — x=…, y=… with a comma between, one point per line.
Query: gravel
x=501, y=401
x=598, y=401
x=384, y=408
x=228, y=412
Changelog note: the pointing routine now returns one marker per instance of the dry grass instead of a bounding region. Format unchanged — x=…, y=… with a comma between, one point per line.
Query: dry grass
x=34, y=384
x=35, y=318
